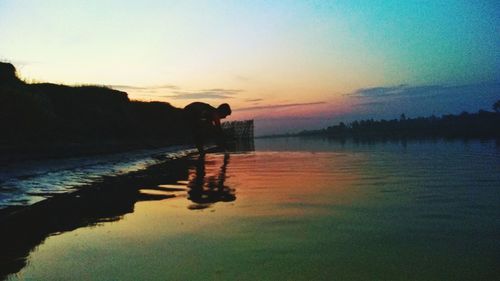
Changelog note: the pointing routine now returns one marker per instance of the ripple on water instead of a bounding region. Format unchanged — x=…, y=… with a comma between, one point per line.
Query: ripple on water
x=23, y=183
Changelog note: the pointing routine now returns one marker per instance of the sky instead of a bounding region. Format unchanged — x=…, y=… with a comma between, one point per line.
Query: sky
x=290, y=65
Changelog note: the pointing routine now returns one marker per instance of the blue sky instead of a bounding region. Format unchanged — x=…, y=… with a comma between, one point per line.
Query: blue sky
x=287, y=64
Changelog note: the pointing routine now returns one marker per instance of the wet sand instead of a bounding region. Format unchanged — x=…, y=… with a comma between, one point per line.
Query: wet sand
x=344, y=214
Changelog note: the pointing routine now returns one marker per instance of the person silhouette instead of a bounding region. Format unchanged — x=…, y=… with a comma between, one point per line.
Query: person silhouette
x=204, y=121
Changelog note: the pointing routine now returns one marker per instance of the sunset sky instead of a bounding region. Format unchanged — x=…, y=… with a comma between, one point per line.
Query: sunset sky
x=288, y=64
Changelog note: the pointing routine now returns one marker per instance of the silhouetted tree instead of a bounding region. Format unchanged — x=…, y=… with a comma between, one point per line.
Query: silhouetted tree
x=480, y=124
x=496, y=106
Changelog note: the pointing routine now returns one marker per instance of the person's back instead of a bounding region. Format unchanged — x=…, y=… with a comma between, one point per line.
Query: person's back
x=200, y=111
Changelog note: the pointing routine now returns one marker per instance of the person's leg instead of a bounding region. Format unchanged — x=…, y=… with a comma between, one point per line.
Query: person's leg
x=198, y=137
x=198, y=142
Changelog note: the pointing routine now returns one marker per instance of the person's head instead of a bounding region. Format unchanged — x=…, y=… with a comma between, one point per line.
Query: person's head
x=224, y=110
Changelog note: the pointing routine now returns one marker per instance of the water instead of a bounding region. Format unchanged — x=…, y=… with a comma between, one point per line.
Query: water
x=29, y=182
x=300, y=209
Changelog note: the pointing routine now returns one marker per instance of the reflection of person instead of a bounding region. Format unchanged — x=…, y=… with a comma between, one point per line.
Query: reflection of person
x=204, y=120
x=205, y=190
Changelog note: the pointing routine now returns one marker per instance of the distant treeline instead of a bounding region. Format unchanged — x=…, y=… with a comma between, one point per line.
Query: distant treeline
x=49, y=113
x=483, y=124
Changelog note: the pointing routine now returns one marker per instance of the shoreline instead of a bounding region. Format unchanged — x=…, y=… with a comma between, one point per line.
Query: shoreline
x=127, y=179
x=10, y=154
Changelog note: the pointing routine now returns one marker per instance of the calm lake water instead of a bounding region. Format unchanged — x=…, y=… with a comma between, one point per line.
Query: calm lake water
x=302, y=209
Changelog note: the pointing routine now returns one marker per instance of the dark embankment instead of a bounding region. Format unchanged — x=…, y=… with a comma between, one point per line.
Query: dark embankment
x=49, y=120
x=24, y=228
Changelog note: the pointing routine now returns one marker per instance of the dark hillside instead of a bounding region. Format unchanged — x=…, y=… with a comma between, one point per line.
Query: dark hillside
x=45, y=114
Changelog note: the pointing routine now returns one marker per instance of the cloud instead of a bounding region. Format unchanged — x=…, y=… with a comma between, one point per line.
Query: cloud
x=148, y=89
x=217, y=93
x=225, y=91
x=373, y=103
x=425, y=99
x=254, y=100
x=200, y=95
x=176, y=92
x=279, y=106
x=405, y=90
x=241, y=78
x=399, y=90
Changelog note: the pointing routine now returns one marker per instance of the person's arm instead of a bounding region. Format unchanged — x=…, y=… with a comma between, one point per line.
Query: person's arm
x=216, y=121
x=220, y=133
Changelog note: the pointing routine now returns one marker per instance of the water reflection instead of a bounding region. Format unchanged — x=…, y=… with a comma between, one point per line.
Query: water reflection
x=22, y=230
x=207, y=189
